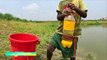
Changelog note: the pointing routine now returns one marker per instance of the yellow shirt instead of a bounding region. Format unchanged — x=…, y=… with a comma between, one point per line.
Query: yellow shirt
x=80, y=4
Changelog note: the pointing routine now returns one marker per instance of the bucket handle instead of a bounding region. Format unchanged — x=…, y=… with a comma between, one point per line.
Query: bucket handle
x=38, y=42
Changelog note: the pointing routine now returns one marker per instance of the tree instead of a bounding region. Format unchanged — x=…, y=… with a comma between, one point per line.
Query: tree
x=1, y=16
x=8, y=16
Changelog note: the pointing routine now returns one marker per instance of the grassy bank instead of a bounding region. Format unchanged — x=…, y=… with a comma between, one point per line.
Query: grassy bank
x=44, y=30
x=93, y=22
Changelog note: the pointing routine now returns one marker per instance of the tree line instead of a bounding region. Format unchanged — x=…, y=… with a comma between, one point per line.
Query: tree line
x=8, y=16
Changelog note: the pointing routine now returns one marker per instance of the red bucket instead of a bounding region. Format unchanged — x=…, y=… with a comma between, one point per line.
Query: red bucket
x=23, y=42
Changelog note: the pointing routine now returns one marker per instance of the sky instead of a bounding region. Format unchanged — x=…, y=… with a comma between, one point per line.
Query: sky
x=46, y=9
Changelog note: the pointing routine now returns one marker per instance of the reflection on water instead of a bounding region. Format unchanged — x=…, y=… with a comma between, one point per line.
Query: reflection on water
x=94, y=40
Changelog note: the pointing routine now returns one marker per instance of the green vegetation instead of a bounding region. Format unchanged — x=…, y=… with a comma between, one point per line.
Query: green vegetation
x=9, y=17
x=93, y=22
x=45, y=30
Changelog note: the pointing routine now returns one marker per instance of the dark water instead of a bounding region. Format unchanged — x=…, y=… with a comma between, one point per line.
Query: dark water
x=94, y=40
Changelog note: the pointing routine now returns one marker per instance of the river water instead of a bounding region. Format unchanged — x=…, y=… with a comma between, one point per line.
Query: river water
x=94, y=41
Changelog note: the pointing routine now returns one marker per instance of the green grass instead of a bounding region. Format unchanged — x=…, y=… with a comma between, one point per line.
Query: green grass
x=44, y=30
x=93, y=22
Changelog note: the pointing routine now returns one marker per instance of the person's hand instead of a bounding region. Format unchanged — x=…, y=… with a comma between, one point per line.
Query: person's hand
x=67, y=11
x=72, y=6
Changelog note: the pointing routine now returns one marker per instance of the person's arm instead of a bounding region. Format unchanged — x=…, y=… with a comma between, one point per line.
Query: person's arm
x=79, y=11
x=60, y=16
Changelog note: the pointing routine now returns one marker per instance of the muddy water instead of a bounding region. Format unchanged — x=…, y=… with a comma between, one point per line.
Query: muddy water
x=94, y=41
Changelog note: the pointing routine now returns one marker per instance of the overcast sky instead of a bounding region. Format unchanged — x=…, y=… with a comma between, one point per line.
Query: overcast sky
x=46, y=9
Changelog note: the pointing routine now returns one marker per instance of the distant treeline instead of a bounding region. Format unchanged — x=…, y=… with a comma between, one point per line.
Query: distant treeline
x=8, y=16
